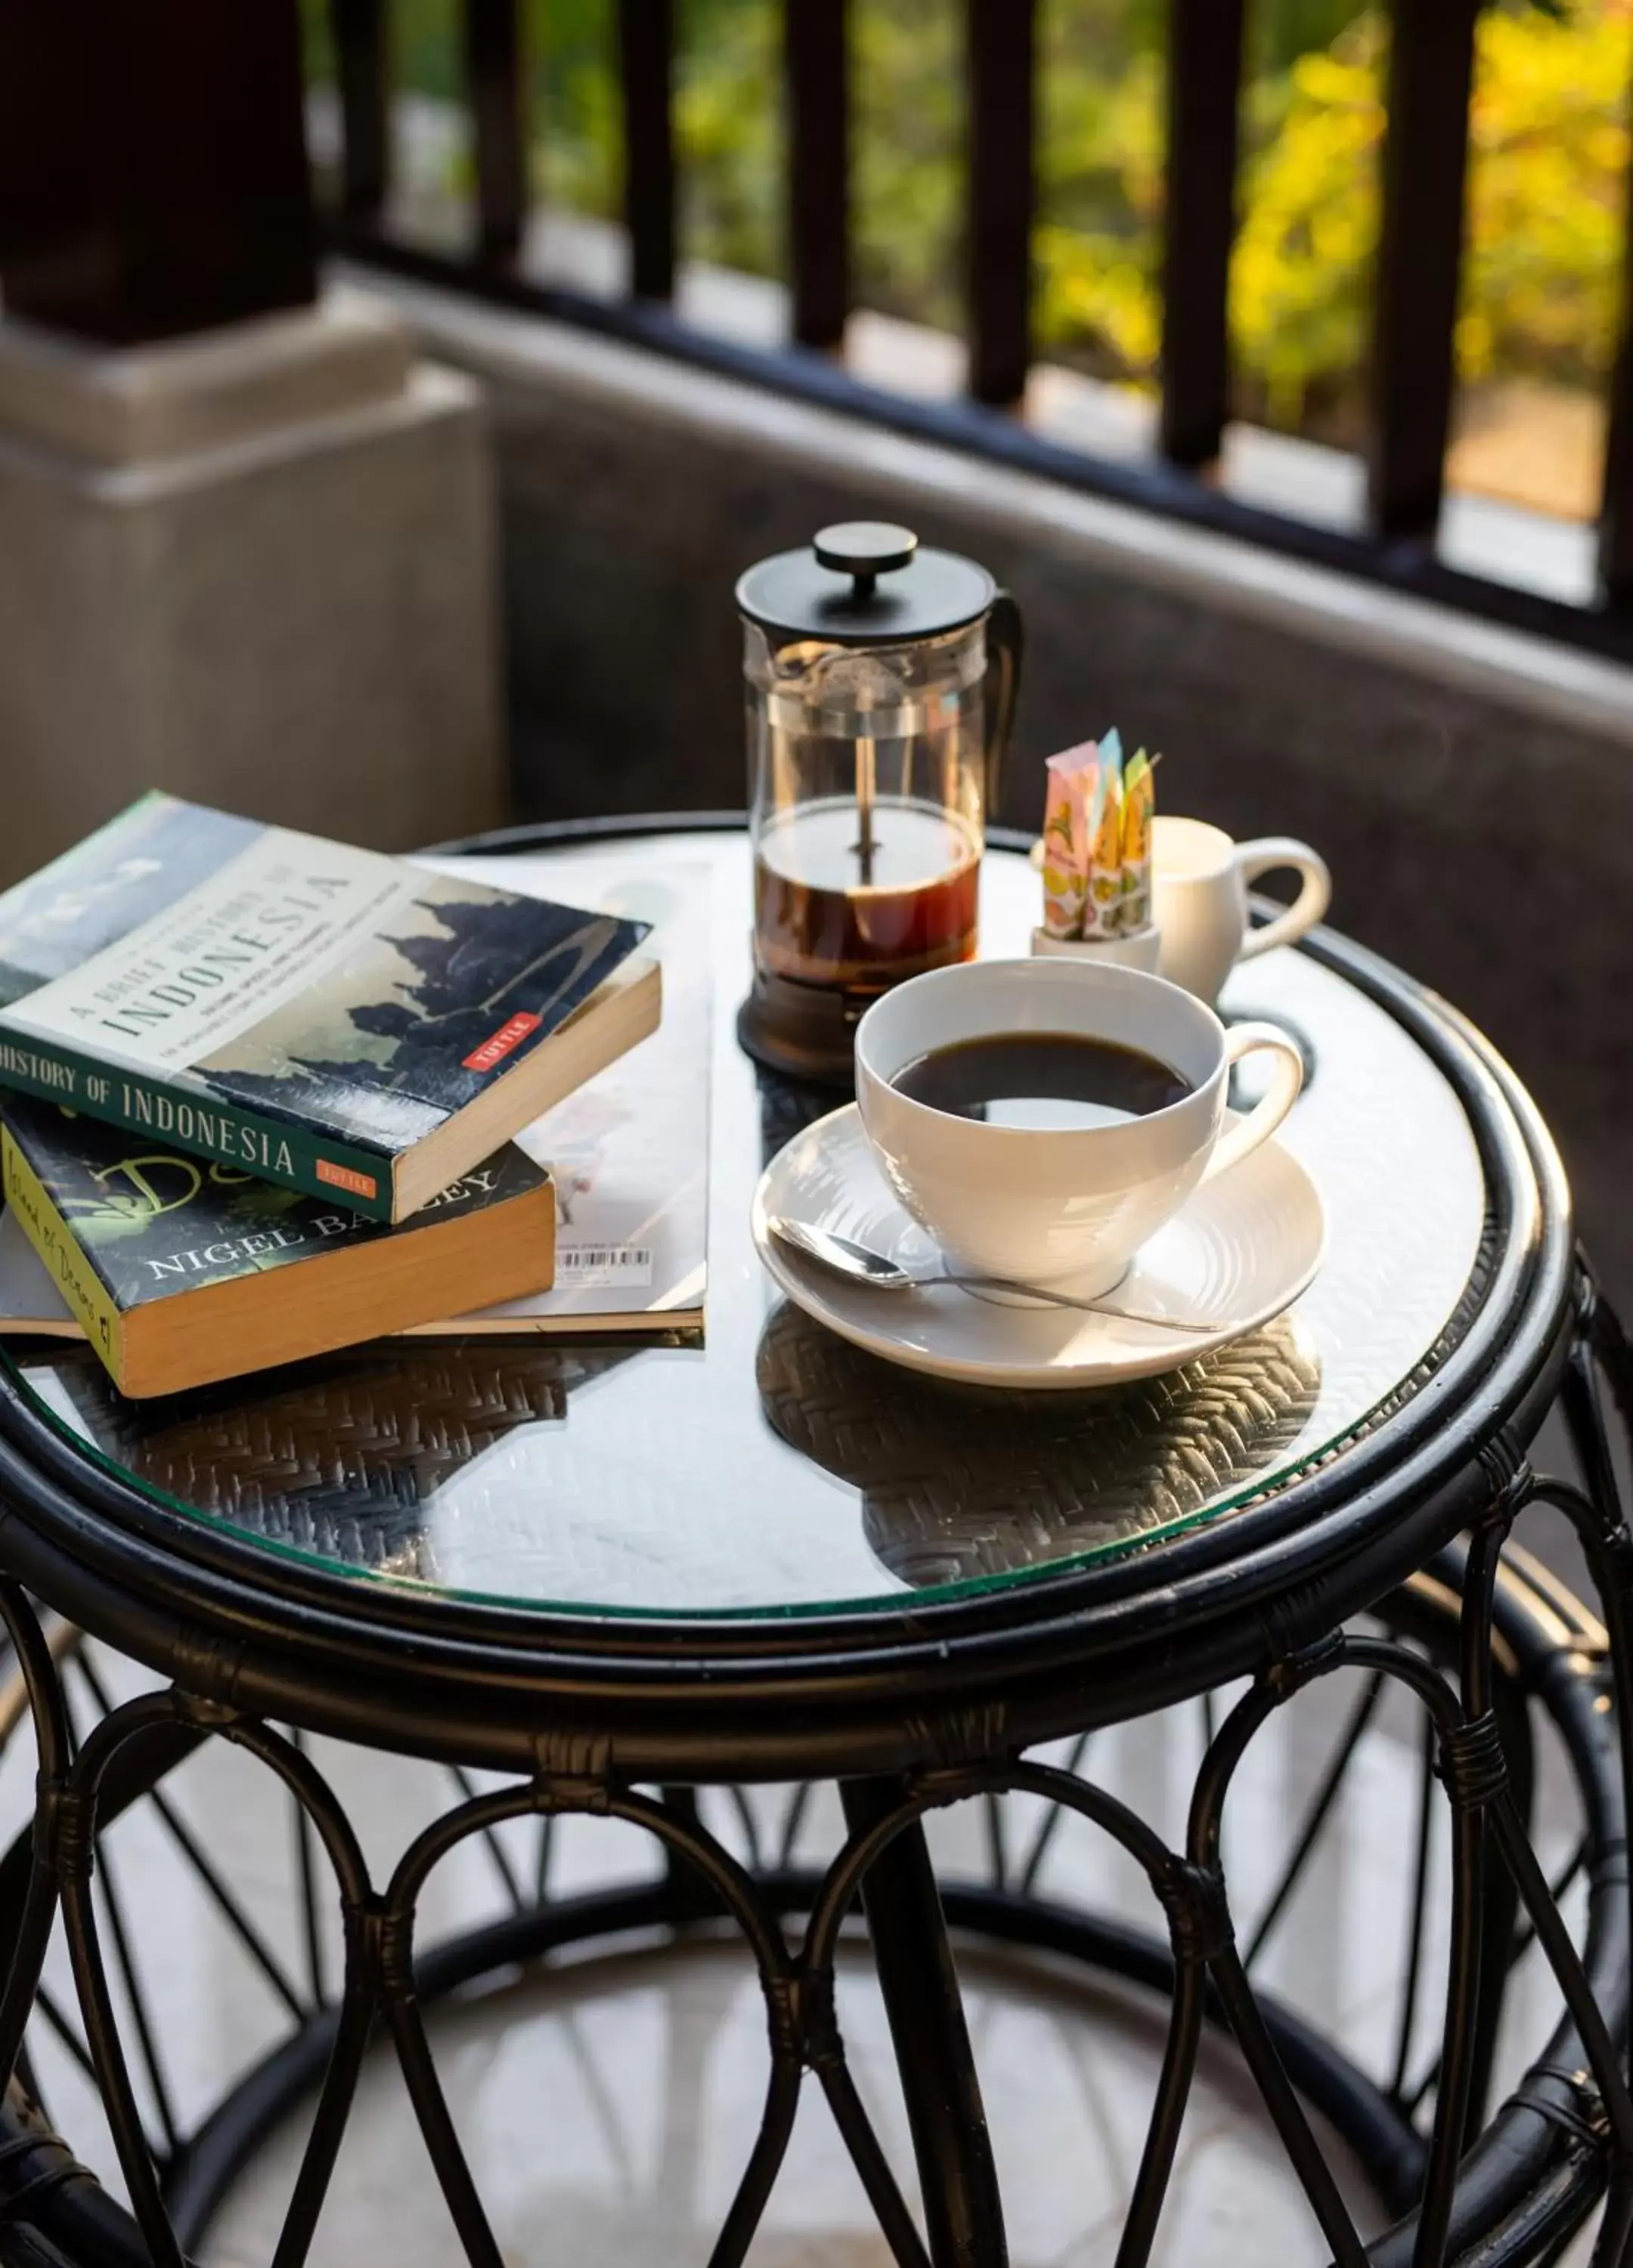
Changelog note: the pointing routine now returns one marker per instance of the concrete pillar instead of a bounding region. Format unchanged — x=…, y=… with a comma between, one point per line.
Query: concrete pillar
x=254, y=567
x=246, y=542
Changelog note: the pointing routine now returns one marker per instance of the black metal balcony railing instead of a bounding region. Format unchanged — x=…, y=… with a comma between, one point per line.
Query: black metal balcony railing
x=186, y=206
x=1412, y=373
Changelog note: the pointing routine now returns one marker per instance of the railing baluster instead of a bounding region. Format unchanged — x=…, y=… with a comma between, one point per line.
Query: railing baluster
x=1000, y=253
x=646, y=62
x=493, y=69
x=1204, y=95
x=1615, y=511
x=816, y=37
x=360, y=62
x=1419, y=257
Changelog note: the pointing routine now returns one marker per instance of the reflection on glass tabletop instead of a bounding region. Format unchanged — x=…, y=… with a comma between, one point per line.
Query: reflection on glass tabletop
x=765, y=1466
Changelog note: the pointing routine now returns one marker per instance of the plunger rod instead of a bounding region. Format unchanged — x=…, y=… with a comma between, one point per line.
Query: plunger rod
x=864, y=810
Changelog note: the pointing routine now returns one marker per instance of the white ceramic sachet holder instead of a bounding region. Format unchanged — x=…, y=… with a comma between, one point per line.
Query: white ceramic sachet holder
x=1140, y=949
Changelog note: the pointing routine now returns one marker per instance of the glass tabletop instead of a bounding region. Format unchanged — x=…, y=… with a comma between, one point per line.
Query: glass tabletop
x=764, y=1467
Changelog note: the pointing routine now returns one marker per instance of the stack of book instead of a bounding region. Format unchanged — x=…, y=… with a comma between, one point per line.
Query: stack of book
x=264, y=1096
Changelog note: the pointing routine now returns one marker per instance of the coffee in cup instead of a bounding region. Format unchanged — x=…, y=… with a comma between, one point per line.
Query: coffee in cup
x=1042, y=1119
x=1046, y=1079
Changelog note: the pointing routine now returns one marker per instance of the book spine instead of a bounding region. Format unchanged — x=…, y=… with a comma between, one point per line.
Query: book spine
x=65, y=1261
x=296, y=1156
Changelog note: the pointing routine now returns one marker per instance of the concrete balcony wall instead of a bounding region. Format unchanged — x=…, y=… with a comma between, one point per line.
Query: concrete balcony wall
x=1472, y=789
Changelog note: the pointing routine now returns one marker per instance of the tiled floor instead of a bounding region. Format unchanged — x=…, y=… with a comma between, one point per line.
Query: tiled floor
x=607, y=2104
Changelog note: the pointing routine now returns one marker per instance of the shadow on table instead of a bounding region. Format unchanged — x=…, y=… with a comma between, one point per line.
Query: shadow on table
x=959, y=1484
x=341, y=1457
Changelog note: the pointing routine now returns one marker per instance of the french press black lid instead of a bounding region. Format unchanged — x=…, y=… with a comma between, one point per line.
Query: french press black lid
x=865, y=582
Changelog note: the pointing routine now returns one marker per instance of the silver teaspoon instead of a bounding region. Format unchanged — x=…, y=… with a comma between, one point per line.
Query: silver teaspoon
x=860, y=1263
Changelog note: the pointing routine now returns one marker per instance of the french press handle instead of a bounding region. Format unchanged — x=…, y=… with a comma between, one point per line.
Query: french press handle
x=1006, y=647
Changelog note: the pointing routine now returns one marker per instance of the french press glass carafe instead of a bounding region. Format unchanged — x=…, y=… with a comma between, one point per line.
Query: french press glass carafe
x=881, y=683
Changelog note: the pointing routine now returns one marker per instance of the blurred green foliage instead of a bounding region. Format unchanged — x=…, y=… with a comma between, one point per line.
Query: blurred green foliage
x=1545, y=197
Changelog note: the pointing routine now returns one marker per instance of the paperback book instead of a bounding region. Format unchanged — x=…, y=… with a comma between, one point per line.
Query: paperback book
x=350, y=1026
x=181, y=1272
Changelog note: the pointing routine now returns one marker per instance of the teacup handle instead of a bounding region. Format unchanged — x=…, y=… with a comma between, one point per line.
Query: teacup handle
x=1268, y=1113
x=1264, y=857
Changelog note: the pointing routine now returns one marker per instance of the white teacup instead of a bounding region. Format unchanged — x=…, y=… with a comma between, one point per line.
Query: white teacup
x=1199, y=899
x=1066, y=1209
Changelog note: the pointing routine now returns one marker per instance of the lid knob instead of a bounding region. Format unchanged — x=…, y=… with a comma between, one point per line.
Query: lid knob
x=865, y=549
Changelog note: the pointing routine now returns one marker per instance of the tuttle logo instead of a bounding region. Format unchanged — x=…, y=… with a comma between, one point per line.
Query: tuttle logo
x=342, y=1177
x=509, y=1035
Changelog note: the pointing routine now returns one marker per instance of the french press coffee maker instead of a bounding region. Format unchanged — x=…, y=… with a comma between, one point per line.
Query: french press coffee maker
x=881, y=693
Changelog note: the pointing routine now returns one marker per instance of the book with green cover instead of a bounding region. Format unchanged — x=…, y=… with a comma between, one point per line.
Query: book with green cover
x=181, y=1271
x=628, y=1151
x=347, y=1025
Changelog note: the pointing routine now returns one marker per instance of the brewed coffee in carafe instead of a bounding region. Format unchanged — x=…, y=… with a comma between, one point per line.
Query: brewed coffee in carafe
x=870, y=751
x=839, y=904
x=867, y=849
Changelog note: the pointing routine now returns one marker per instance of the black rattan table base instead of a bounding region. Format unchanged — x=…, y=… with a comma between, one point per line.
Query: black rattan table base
x=1538, y=2164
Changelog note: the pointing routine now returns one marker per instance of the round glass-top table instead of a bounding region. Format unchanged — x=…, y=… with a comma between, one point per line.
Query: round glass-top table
x=619, y=1570
x=765, y=1469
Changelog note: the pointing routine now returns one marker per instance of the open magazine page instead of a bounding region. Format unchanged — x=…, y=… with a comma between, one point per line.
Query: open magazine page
x=628, y=1151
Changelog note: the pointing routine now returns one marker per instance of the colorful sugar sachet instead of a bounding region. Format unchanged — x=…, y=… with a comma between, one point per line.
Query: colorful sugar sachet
x=1138, y=804
x=1103, y=906
x=1097, y=834
x=1071, y=775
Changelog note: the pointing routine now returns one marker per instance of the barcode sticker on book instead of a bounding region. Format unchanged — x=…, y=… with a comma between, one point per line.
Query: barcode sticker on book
x=578, y=1266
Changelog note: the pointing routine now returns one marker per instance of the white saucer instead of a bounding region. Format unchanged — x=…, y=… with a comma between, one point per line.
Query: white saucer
x=1243, y=1249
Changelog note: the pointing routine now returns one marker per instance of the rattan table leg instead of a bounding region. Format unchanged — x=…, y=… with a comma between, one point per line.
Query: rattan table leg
x=918, y=1984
